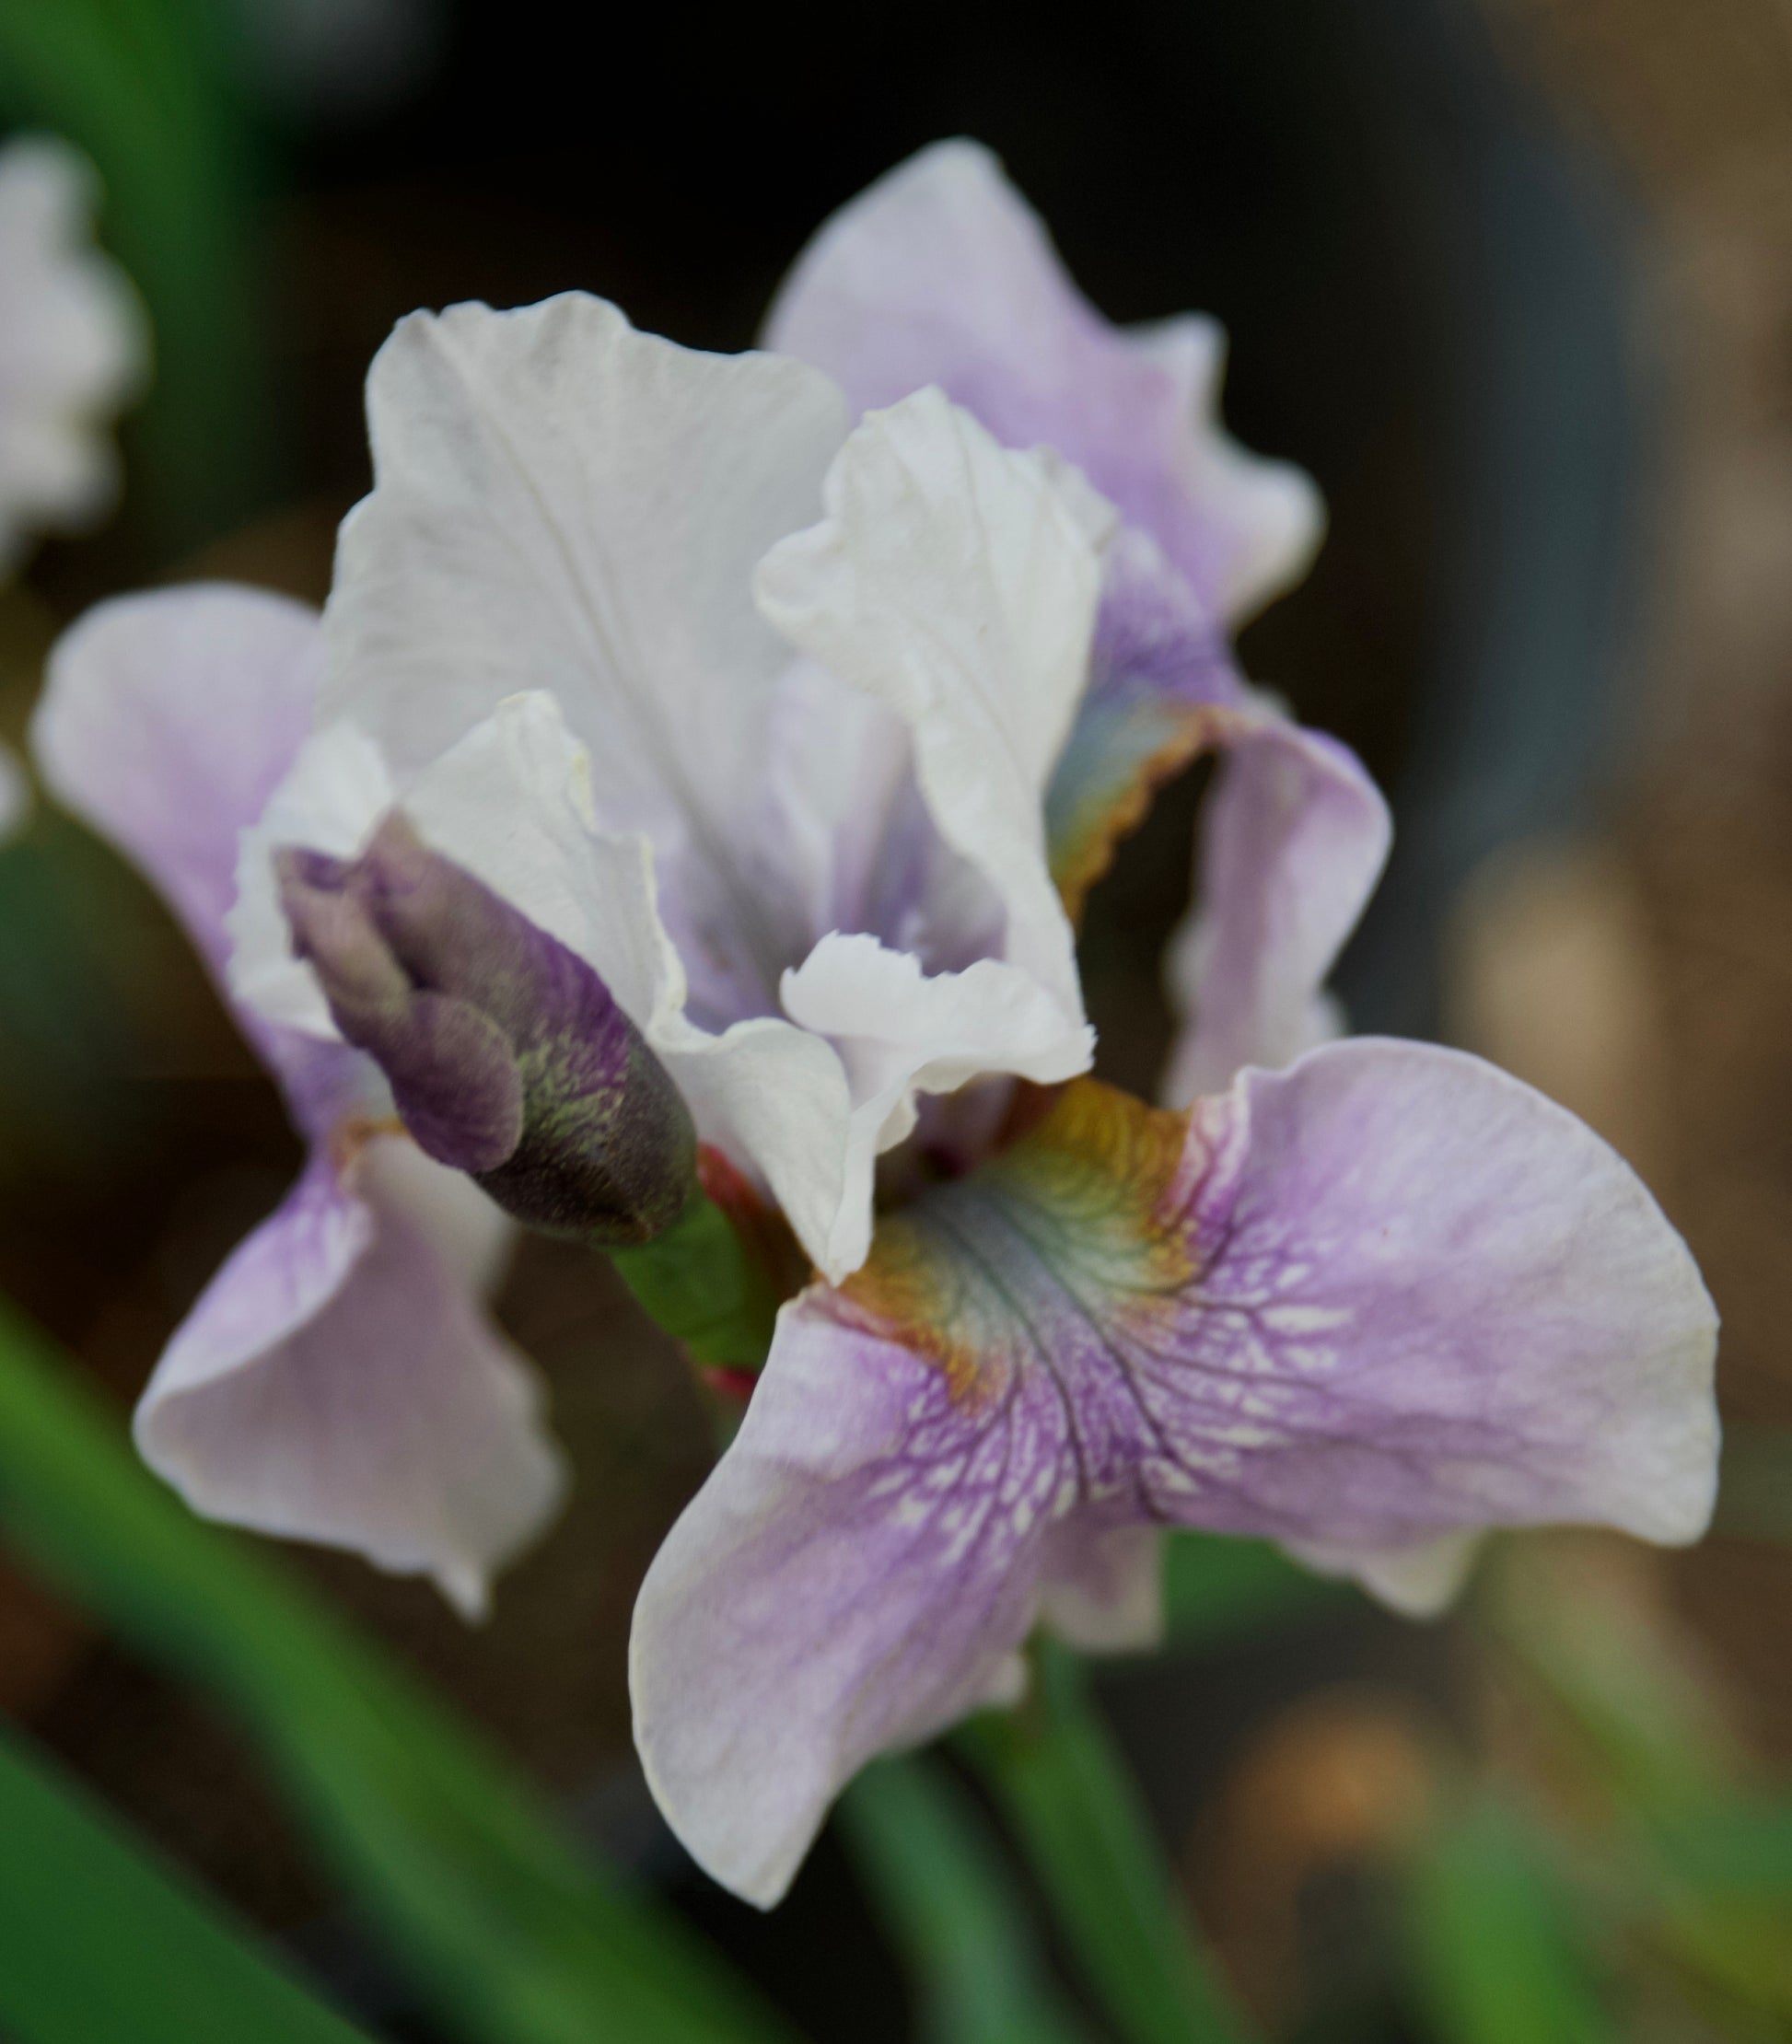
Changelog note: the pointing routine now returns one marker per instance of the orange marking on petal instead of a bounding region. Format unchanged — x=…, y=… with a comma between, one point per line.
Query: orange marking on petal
x=1090, y=846
x=1098, y=1173
x=352, y=1134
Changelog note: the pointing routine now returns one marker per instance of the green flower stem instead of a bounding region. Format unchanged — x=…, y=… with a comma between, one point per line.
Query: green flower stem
x=1076, y=1812
x=700, y=1283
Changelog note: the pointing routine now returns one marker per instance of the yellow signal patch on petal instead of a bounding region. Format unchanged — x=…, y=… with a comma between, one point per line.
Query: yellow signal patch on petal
x=1085, y=1206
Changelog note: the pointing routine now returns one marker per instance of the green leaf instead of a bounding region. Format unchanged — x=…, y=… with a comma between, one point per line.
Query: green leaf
x=1217, y=1590
x=949, y=1906
x=97, y=1941
x=514, y=1937
x=1490, y=1946
x=1077, y=1815
x=1726, y=1906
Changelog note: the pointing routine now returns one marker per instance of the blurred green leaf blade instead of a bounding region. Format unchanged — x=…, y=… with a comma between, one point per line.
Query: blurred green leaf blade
x=96, y=1941
x=1218, y=1589
x=951, y=1910
x=1493, y=1953
x=1077, y=1815
x=513, y=1936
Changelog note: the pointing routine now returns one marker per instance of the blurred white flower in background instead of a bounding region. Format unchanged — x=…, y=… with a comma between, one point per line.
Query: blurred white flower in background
x=73, y=348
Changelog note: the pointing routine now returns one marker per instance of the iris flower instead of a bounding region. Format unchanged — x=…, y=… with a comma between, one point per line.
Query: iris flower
x=799, y=697
x=71, y=352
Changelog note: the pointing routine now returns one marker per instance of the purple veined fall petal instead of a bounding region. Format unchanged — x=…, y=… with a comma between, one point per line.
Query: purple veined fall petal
x=338, y=1379
x=1369, y=1303
x=942, y=273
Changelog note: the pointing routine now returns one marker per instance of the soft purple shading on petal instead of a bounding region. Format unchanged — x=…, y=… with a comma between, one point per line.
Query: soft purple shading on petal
x=1103, y=1591
x=1292, y=841
x=72, y=346
x=957, y=582
x=337, y=1379
x=1159, y=670
x=825, y=1597
x=337, y=1382
x=1364, y=1307
x=940, y=272
x=167, y=722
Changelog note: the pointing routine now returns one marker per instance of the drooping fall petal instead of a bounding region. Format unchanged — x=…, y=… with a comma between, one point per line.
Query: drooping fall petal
x=1370, y=1302
x=337, y=1380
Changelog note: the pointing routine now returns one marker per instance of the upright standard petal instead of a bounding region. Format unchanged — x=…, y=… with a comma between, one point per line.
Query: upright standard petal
x=942, y=273
x=957, y=583
x=337, y=1379
x=1364, y=1304
x=72, y=346
x=563, y=503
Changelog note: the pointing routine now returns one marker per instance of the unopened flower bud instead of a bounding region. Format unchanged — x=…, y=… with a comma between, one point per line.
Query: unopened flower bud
x=506, y=1055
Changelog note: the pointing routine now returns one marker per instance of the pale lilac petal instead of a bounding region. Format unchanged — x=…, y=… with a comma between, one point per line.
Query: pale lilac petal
x=1418, y=1582
x=73, y=347
x=1292, y=841
x=337, y=1382
x=854, y=1577
x=957, y=583
x=167, y=722
x=942, y=273
x=1429, y=1300
x=1103, y=1591
x=562, y=504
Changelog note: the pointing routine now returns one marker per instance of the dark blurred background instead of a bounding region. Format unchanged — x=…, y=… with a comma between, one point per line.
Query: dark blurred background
x=1513, y=282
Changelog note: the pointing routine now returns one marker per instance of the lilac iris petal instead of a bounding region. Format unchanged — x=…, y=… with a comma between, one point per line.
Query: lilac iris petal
x=337, y=1380
x=1369, y=1302
x=942, y=273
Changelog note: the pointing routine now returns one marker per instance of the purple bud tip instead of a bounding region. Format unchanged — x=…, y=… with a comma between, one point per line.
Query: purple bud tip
x=506, y=1055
